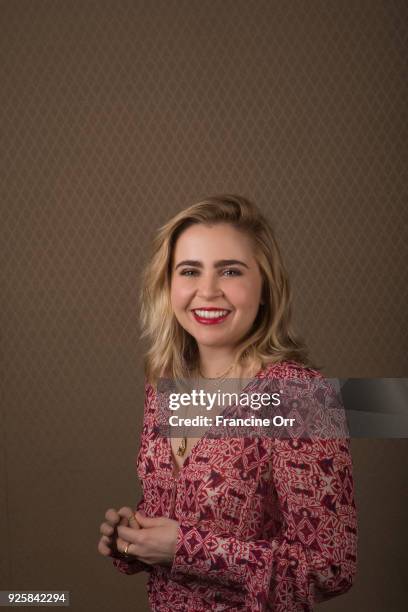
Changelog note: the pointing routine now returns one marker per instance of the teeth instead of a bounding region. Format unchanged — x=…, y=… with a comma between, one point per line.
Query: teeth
x=211, y=314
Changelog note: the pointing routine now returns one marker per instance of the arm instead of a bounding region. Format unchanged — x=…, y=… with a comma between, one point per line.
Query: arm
x=317, y=547
x=135, y=566
x=314, y=556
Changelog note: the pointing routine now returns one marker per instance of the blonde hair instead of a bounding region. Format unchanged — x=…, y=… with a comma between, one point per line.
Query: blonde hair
x=172, y=351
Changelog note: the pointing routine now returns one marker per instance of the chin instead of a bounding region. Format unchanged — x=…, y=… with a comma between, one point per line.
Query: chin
x=220, y=342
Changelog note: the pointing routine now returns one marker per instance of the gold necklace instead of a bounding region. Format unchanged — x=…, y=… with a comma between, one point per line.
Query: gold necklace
x=183, y=444
x=220, y=377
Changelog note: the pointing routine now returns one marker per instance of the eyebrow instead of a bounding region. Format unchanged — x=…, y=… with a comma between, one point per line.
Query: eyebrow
x=218, y=264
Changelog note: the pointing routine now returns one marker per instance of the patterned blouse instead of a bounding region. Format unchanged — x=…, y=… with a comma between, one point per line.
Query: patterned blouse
x=265, y=523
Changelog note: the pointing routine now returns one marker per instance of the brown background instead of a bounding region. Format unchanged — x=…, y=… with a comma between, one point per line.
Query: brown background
x=116, y=114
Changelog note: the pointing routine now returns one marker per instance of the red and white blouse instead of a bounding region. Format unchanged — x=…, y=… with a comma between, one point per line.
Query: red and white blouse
x=265, y=523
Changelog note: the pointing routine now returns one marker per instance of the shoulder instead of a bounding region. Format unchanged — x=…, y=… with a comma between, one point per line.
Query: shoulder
x=289, y=369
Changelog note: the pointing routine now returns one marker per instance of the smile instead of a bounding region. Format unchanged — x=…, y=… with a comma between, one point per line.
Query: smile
x=210, y=317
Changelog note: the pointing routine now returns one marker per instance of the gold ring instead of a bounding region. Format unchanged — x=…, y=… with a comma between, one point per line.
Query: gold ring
x=125, y=552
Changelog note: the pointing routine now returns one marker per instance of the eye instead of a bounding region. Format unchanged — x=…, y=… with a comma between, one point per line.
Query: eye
x=188, y=272
x=227, y=272
x=234, y=271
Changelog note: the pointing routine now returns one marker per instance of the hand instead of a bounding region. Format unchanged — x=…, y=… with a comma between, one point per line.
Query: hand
x=110, y=545
x=155, y=542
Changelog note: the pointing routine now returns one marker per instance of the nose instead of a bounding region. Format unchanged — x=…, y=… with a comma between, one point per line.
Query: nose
x=208, y=286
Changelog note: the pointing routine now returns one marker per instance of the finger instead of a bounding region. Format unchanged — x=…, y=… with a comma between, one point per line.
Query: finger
x=129, y=534
x=123, y=521
x=125, y=547
x=104, y=546
x=125, y=514
x=106, y=529
x=112, y=517
x=125, y=511
x=130, y=517
x=133, y=522
x=145, y=521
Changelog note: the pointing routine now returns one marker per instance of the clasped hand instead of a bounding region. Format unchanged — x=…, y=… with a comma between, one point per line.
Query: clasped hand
x=151, y=540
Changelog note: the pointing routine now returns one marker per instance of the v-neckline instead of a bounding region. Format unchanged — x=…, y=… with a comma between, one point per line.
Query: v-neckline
x=172, y=463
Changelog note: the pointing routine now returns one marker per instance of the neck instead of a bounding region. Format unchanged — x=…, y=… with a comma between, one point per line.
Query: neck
x=214, y=361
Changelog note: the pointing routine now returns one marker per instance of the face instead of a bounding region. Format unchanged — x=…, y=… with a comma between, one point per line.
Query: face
x=216, y=284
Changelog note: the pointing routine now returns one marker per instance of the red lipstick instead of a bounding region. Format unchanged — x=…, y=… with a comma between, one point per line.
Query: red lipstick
x=207, y=320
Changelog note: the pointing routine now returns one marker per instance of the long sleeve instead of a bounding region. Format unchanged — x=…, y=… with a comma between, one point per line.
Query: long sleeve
x=313, y=555
x=132, y=567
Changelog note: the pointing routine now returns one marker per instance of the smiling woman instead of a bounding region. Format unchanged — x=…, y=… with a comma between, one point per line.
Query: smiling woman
x=220, y=242
x=215, y=300
x=246, y=523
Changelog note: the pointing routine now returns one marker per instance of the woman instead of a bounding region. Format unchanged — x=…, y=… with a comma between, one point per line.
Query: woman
x=235, y=523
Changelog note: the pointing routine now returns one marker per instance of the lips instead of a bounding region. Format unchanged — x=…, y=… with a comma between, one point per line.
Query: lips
x=210, y=316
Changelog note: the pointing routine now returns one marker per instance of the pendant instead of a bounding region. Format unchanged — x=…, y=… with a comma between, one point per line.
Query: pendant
x=182, y=448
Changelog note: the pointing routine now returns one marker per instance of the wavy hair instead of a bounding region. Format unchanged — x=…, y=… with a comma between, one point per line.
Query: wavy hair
x=173, y=352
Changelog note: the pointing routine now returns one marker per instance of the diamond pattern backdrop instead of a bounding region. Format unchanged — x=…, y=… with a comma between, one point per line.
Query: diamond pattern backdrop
x=114, y=115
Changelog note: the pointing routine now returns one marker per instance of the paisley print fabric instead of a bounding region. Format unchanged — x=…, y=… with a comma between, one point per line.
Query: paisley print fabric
x=265, y=523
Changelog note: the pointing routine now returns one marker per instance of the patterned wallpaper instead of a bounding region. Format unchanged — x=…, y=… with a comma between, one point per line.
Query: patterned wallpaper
x=115, y=114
